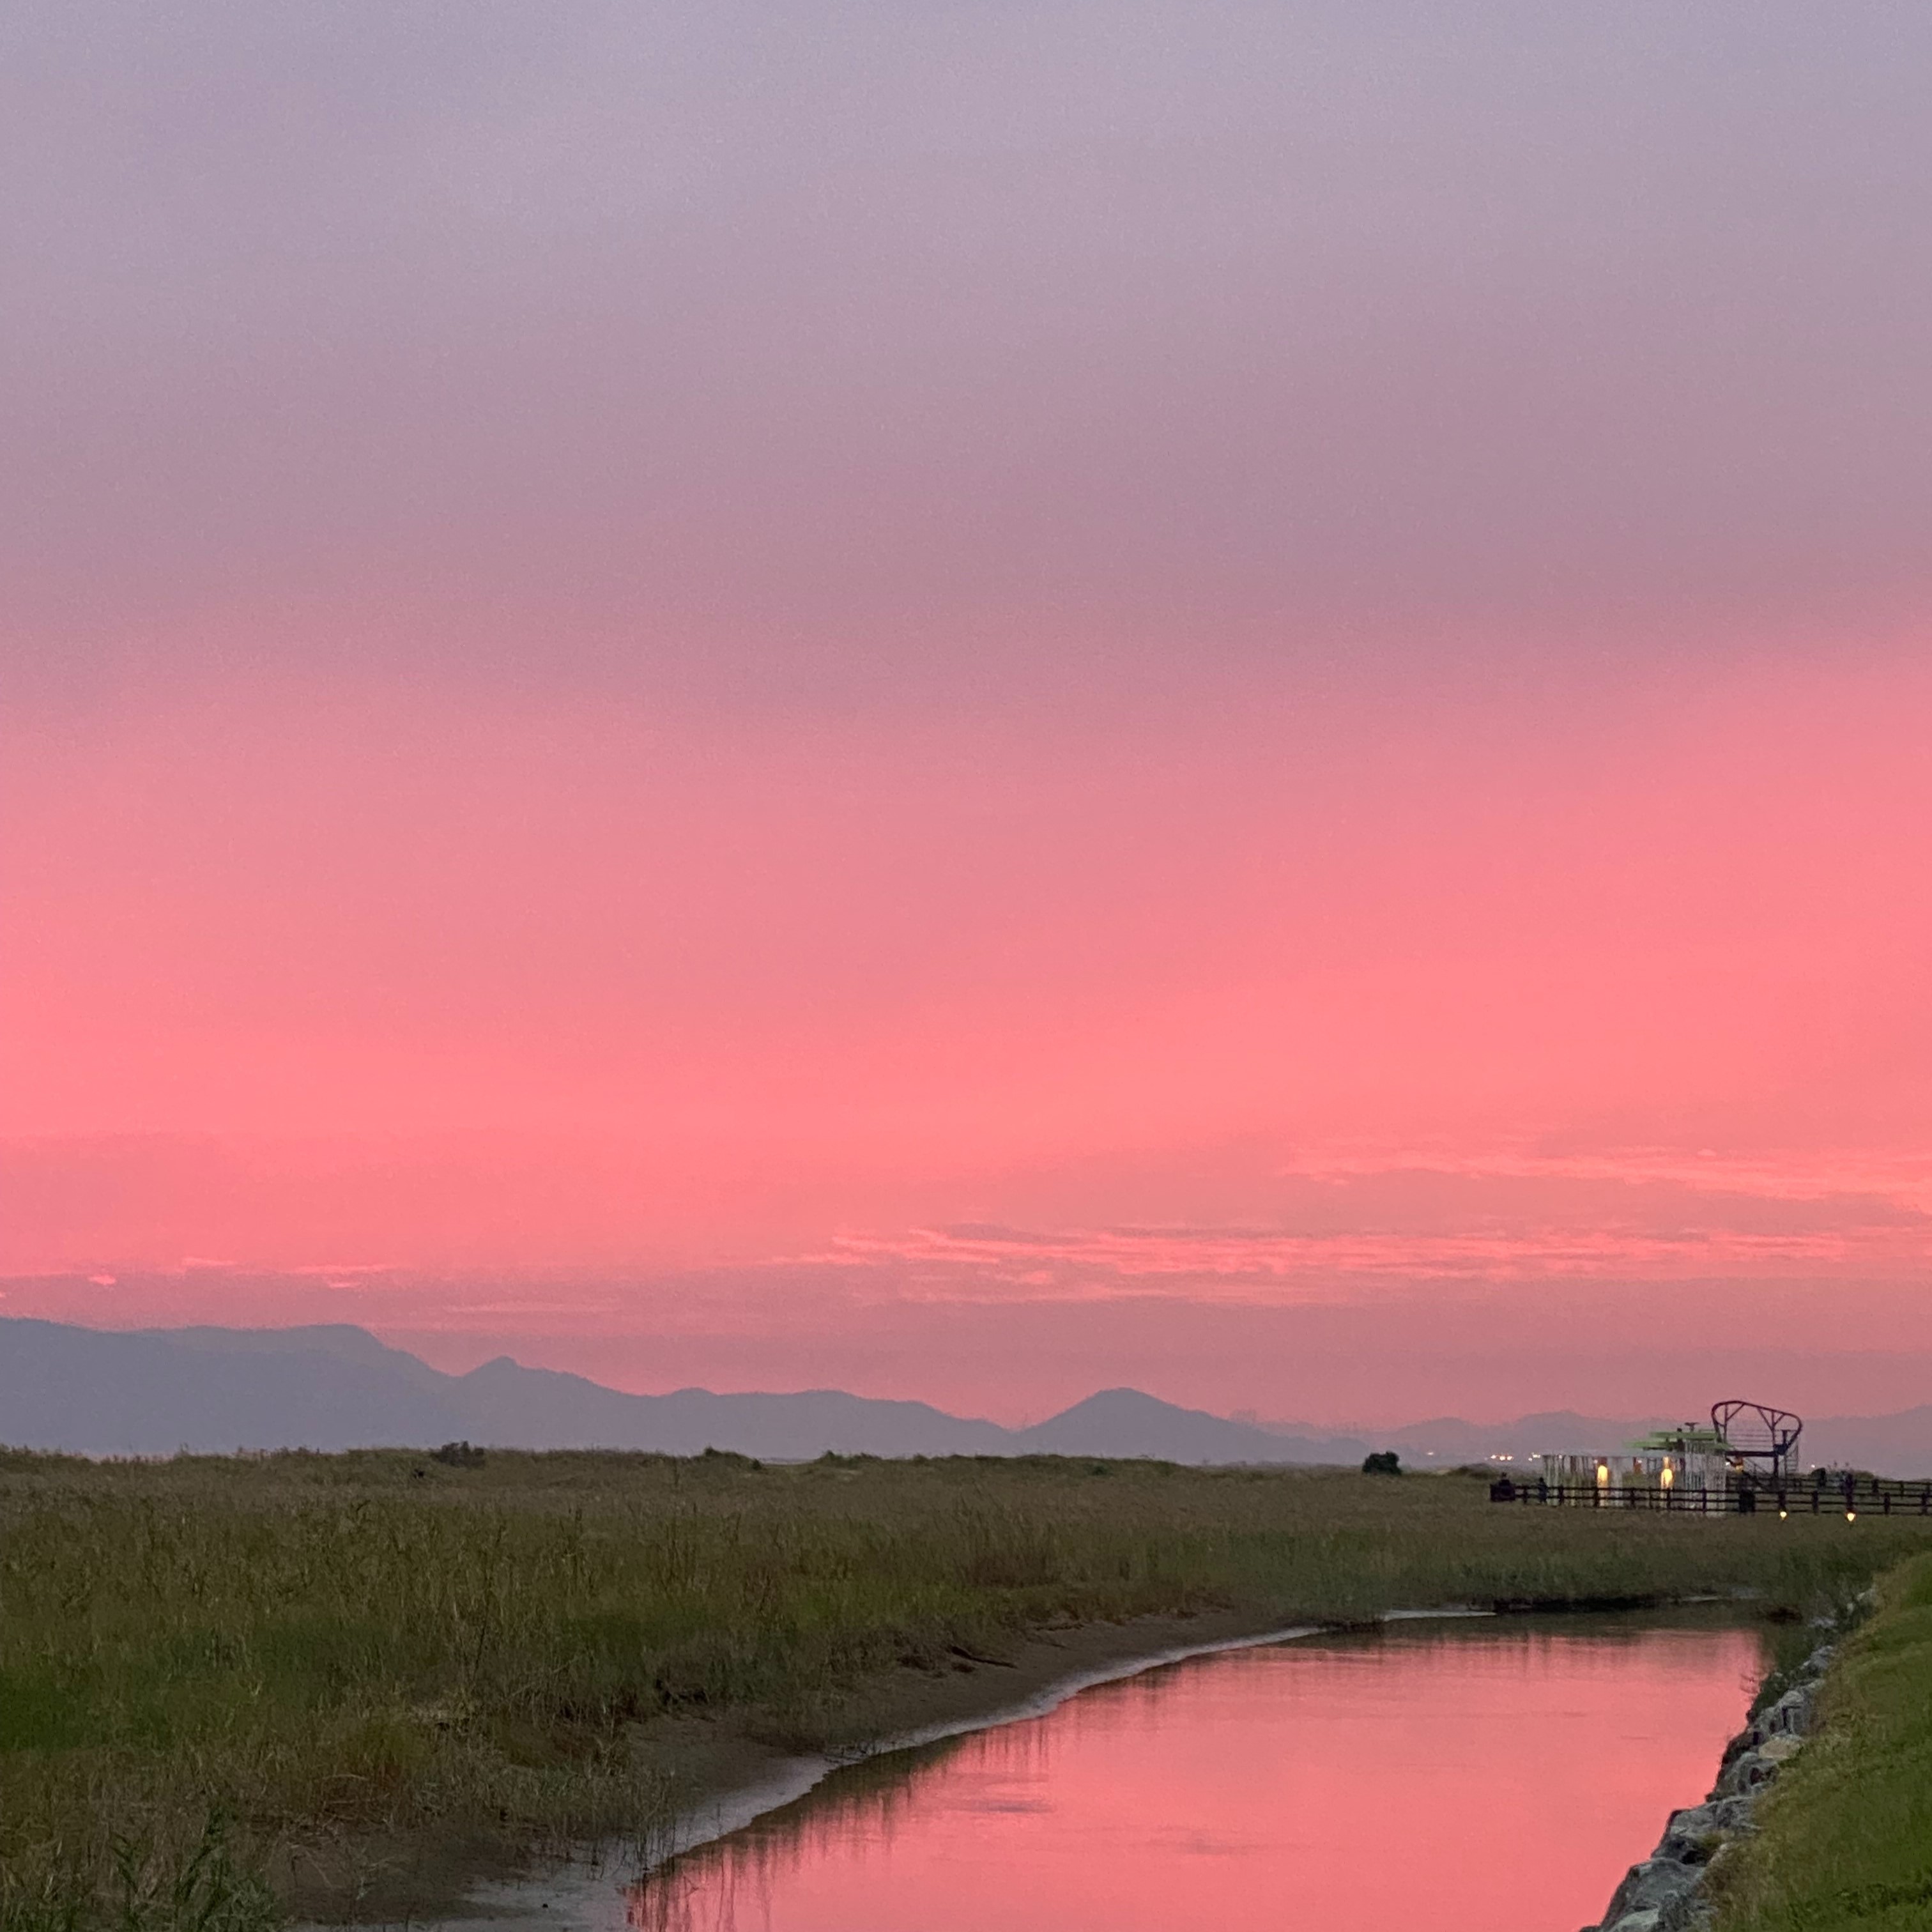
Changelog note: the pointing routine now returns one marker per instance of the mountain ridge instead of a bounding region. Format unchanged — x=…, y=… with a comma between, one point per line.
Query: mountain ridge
x=156, y=1391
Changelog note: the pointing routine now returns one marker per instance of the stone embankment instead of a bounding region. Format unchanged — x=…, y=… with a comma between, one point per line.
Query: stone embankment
x=1667, y=1892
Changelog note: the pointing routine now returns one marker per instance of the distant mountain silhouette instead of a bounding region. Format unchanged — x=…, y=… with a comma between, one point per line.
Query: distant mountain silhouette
x=507, y=1404
x=1124, y=1422
x=150, y=1393
x=1892, y=1445
x=154, y=1391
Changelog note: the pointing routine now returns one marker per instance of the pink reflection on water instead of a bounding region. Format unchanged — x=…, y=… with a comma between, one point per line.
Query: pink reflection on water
x=1491, y=1780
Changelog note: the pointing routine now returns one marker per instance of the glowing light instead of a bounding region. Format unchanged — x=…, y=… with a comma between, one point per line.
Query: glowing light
x=1668, y=1476
x=1603, y=1473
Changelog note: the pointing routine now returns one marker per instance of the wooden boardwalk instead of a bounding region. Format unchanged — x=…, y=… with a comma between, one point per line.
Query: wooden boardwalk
x=1823, y=1492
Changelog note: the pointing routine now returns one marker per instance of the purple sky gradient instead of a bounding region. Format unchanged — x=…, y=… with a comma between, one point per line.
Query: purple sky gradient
x=870, y=355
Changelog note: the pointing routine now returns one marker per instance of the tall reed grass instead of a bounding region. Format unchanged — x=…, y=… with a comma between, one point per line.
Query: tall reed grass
x=216, y=1674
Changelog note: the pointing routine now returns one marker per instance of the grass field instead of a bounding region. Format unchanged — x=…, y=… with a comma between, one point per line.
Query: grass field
x=1846, y=1840
x=218, y=1674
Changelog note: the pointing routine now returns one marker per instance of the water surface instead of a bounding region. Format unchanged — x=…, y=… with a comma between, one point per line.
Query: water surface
x=1472, y=1777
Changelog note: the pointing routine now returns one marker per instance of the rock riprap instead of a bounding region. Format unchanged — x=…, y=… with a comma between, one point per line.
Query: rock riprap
x=1667, y=1892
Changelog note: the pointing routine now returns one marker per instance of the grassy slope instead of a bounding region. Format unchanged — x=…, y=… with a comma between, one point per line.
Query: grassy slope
x=324, y=1649
x=1847, y=1833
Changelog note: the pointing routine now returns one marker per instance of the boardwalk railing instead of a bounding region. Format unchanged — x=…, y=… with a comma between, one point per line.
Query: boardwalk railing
x=1822, y=1493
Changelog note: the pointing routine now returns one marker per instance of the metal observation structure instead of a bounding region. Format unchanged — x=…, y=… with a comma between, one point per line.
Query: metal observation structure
x=1761, y=1442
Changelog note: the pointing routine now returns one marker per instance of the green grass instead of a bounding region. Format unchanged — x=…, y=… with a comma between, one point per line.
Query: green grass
x=1846, y=1836
x=214, y=1672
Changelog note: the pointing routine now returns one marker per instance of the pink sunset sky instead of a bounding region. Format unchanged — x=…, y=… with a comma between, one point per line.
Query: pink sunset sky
x=971, y=703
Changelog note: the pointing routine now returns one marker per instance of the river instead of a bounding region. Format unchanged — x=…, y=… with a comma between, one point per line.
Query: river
x=1491, y=1776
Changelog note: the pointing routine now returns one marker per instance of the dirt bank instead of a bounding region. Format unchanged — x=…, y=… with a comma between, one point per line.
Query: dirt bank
x=718, y=1763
